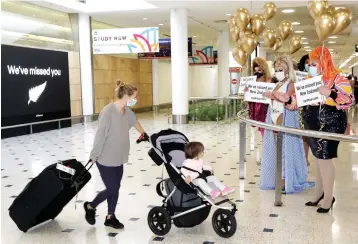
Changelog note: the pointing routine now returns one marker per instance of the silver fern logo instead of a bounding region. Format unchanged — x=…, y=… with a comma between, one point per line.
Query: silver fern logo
x=35, y=92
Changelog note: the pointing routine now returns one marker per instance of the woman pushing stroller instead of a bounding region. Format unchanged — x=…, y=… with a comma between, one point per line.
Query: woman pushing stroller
x=201, y=174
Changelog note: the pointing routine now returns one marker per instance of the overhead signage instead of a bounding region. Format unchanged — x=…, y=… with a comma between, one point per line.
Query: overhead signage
x=125, y=40
x=165, y=50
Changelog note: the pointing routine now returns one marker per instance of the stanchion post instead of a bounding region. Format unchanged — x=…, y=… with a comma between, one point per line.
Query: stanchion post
x=59, y=124
x=226, y=108
x=217, y=111
x=242, y=149
x=194, y=108
x=278, y=187
x=30, y=129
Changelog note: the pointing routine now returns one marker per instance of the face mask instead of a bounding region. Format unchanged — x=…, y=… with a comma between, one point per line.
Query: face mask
x=306, y=67
x=132, y=102
x=280, y=76
x=312, y=71
x=258, y=74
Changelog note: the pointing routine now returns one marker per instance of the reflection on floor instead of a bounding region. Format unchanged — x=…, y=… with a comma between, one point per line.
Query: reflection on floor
x=258, y=220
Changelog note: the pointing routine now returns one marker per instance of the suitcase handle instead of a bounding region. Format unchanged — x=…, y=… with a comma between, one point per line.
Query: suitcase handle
x=84, y=171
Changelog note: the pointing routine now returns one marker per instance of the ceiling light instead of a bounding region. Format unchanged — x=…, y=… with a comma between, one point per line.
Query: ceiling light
x=304, y=38
x=296, y=23
x=193, y=36
x=307, y=47
x=160, y=24
x=308, y=50
x=288, y=11
x=145, y=18
x=228, y=14
x=333, y=37
x=299, y=31
x=331, y=42
x=305, y=43
x=331, y=49
x=346, y=62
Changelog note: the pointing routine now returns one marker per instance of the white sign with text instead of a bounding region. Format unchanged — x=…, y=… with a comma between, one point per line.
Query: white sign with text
x=256, y=90
x=301, y=76
x=243, y=83
x=307, y=91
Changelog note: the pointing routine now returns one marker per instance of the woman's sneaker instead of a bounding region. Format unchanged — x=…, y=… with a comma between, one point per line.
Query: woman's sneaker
x=214, y=194
x=113, y=222
x=227, y=190
x=90, y=214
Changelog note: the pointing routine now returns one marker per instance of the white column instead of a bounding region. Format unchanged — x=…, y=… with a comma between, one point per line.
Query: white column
x=85, y=47
x=223, y=63
x=155, y=84
x=179, y=64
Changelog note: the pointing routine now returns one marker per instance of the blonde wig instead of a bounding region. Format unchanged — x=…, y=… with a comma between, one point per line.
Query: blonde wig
x=260, y=62
x=287, y=60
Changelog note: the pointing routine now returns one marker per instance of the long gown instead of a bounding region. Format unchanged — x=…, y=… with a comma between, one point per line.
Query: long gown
x=294, y=166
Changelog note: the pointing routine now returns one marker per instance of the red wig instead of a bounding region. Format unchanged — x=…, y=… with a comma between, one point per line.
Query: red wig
x=324, y=59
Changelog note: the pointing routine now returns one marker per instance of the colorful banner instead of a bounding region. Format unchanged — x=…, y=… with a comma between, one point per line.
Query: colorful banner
x=165, y=50
x=125, y=40
x=203, y=56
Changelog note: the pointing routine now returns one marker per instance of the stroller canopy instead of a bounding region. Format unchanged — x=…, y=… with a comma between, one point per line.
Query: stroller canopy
x=169, y=146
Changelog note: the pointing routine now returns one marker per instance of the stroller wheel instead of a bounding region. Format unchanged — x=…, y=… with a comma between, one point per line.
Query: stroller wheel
x=159, y=221
x=224, y=223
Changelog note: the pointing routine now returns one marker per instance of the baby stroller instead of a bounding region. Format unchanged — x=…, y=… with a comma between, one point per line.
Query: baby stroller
x=184, y=205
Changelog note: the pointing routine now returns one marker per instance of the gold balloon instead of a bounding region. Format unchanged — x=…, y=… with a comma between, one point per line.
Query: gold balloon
x=249, y=43
x=278, y=44
x=258, y=24
x=285, y=29
x=325, y=24
x=330, y=8
x=343, y=18
x=239, y=55
x=231, y=21
x=317, y=7
x=270, y=37
x=269, y=10
x=234, y=32
x=242, y=18
x=295, y=44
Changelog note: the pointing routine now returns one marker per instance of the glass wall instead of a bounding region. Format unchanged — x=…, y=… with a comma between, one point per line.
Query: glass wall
x=26, y=24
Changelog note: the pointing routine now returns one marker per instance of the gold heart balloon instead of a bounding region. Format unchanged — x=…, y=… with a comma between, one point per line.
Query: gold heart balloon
x=343, y=18
x=295, y=44
x=242, y=18
x=270, y=37
x=249, y=43
x=269, y=10
x=325, y=24
x=239, y=55
x=278, y=44
x=285, y=29
x=231, y=21
x=317, y=7
x=258, y=24
x=330, y=8
x=234, y=32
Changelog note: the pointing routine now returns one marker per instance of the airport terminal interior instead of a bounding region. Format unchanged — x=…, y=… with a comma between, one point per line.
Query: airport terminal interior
x=60, y=65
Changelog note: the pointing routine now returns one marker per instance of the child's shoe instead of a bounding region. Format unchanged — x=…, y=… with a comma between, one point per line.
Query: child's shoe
x=227, y=190
x=214, y=194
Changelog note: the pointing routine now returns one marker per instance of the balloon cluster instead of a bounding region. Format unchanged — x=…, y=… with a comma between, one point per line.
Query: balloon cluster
x=328, y=19
x=244, y=30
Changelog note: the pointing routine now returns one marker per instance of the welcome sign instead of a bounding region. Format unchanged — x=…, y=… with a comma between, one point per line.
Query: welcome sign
x=307, y=91
x=256, y=90
x=125, y=40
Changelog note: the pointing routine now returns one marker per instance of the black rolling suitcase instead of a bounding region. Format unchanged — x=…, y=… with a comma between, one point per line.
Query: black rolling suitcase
x=46, y=195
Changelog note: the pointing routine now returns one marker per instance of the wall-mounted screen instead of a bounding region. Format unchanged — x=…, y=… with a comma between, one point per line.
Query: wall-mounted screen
x=33, y=81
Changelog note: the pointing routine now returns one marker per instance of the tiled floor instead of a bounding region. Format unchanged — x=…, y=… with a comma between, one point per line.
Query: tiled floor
x=258, y=220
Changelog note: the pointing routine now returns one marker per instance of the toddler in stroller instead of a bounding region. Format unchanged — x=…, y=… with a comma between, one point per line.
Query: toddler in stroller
x=201, y=174
x=184, y=204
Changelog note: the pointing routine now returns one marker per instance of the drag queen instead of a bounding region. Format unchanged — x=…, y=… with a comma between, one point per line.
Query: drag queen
x=283, y=111
x=331, y=116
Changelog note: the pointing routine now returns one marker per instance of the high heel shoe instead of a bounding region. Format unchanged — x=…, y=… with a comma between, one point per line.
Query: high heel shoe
x=314, y=204
x=326, y=210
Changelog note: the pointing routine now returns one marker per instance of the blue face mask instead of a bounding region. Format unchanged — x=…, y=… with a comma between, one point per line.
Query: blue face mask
x=132, y=102
x=312, y=71
x=306, y=67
